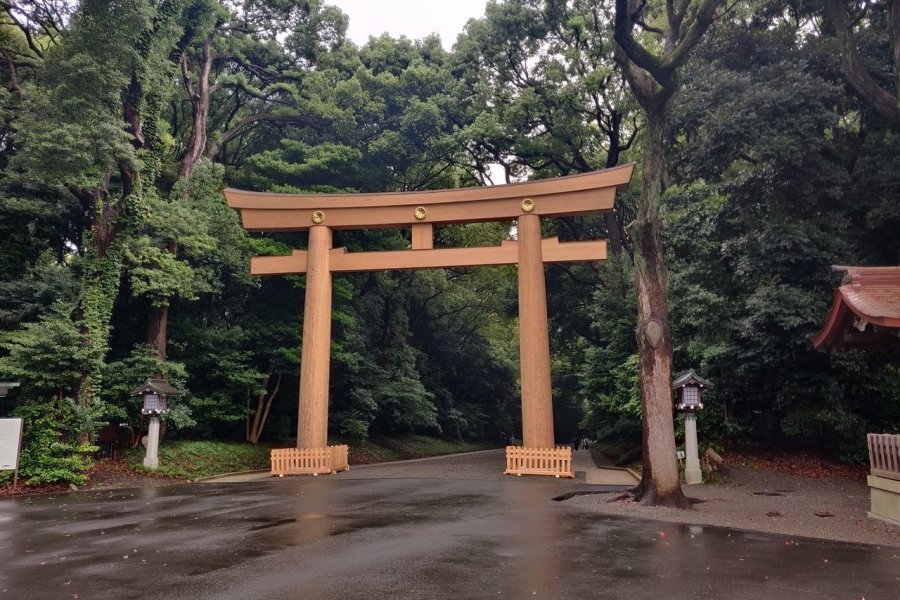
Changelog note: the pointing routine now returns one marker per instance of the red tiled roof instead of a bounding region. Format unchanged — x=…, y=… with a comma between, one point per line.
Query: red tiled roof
x=870, y=298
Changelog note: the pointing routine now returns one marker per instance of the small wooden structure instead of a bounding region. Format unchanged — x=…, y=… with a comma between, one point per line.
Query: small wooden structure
x=884, y=477
x=524, y=203
x=310, y=461
x=884, y=455
x=539, y=461
x=865, y=314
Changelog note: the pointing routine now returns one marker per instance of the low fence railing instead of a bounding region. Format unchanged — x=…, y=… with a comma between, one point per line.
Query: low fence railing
x=539, y=461
x=309, y=461
x=884, y=455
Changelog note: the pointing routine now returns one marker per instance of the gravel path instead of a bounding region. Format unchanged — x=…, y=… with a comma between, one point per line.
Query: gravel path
x=770, y=502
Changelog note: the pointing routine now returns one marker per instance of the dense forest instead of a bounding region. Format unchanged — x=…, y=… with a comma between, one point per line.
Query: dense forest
x=122, y=121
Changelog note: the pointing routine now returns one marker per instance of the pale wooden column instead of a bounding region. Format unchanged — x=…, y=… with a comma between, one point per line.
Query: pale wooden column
x=312, y=428
x=534, y=340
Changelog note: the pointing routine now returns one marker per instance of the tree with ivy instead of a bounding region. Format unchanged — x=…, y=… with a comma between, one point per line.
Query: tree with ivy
x=651, y=66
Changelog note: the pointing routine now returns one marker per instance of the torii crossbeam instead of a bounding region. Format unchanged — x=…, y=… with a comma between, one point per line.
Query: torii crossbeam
x=526, y=203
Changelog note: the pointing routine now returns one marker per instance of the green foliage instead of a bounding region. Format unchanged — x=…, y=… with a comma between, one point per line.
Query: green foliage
x=776, y=172
x=45, y=355
x=122, y=377
x=193, y=460
x=51, y=452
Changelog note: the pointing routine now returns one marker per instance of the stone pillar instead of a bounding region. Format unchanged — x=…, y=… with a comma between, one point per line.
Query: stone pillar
x=534, y=339
x=151, y=458
x=692, y=473
x=312, y=427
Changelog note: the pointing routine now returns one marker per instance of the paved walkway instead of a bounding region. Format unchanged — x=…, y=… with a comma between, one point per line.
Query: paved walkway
x=486, y=464
x=594, y=475
x=357, y=536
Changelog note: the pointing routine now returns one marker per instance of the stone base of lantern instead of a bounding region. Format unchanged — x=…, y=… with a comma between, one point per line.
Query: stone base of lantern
x=692, y=473
x=151, y=458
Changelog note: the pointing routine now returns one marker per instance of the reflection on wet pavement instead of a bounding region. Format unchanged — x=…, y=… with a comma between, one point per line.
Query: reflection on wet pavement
x=405, y=538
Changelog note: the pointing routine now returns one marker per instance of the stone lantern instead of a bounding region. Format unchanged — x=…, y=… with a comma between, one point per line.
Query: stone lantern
x=688, y=389
x=154, y=393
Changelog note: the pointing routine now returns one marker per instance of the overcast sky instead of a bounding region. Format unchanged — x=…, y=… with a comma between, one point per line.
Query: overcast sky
x=414, y=19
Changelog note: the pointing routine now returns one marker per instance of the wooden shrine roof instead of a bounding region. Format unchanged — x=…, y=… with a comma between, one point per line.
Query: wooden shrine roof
x=865, y=311
x=581, y=194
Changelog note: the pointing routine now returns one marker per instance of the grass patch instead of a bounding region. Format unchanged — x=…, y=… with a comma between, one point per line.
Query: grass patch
x=193, y=460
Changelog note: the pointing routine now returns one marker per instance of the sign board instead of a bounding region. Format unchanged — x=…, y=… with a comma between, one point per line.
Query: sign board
x=679, y=454
x=10, y=442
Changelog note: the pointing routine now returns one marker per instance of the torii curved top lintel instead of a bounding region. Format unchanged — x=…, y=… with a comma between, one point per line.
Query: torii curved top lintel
x=561, y=196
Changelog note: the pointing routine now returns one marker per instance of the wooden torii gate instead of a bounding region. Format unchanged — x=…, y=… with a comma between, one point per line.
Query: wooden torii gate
x=526, y=203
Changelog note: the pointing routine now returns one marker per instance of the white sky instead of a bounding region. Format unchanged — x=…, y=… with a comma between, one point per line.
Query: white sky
x=414, y=19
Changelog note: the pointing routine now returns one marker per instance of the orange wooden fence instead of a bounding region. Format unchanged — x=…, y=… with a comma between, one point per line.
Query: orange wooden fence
x=884, y=455
x=309, y=461
x=539, y=461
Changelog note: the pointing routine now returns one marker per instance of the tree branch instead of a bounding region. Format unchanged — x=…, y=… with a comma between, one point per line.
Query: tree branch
x=249, y=120
x=855, y=71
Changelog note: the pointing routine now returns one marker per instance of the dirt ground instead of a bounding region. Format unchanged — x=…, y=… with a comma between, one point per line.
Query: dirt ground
x=107, y=473
x=798, y=496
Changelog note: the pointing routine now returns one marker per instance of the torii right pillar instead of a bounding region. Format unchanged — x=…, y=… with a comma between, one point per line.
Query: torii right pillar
x=534, y=338
x=538, y=454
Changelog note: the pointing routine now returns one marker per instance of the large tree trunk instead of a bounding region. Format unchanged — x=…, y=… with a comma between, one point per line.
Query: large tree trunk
x=659, y=482
x=156, y=330
x=158, y=324
x=855, y=70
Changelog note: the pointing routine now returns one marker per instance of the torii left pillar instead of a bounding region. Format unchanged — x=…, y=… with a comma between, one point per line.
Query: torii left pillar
x=312, y=428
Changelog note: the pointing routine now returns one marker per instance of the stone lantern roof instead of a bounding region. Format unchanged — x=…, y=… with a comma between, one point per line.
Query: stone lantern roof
x=156, y=386
x=689, y=377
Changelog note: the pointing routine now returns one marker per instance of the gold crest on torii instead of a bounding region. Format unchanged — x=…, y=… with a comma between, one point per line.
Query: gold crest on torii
x=525, y=203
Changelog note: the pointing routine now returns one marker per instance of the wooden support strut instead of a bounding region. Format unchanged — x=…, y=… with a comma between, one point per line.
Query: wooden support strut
x=507, y=253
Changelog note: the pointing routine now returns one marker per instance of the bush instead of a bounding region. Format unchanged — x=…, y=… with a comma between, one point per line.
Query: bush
x=50, y=454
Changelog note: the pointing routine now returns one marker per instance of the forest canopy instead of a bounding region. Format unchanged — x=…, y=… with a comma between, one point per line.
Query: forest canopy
x=122, y=121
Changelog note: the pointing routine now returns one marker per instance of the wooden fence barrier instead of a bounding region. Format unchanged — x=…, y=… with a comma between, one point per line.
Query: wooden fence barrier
x=884, y=455
x=309, y=461
x=539, y=461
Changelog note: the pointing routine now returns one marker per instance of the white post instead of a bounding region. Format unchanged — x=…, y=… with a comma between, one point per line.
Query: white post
x=151, y=459
x=692, y=473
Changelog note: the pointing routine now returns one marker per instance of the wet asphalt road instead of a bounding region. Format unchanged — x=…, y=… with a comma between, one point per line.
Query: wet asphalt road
x=345, y=538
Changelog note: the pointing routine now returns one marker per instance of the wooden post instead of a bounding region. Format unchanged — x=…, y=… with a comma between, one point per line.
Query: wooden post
x=312, y=427
x=534, y=339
